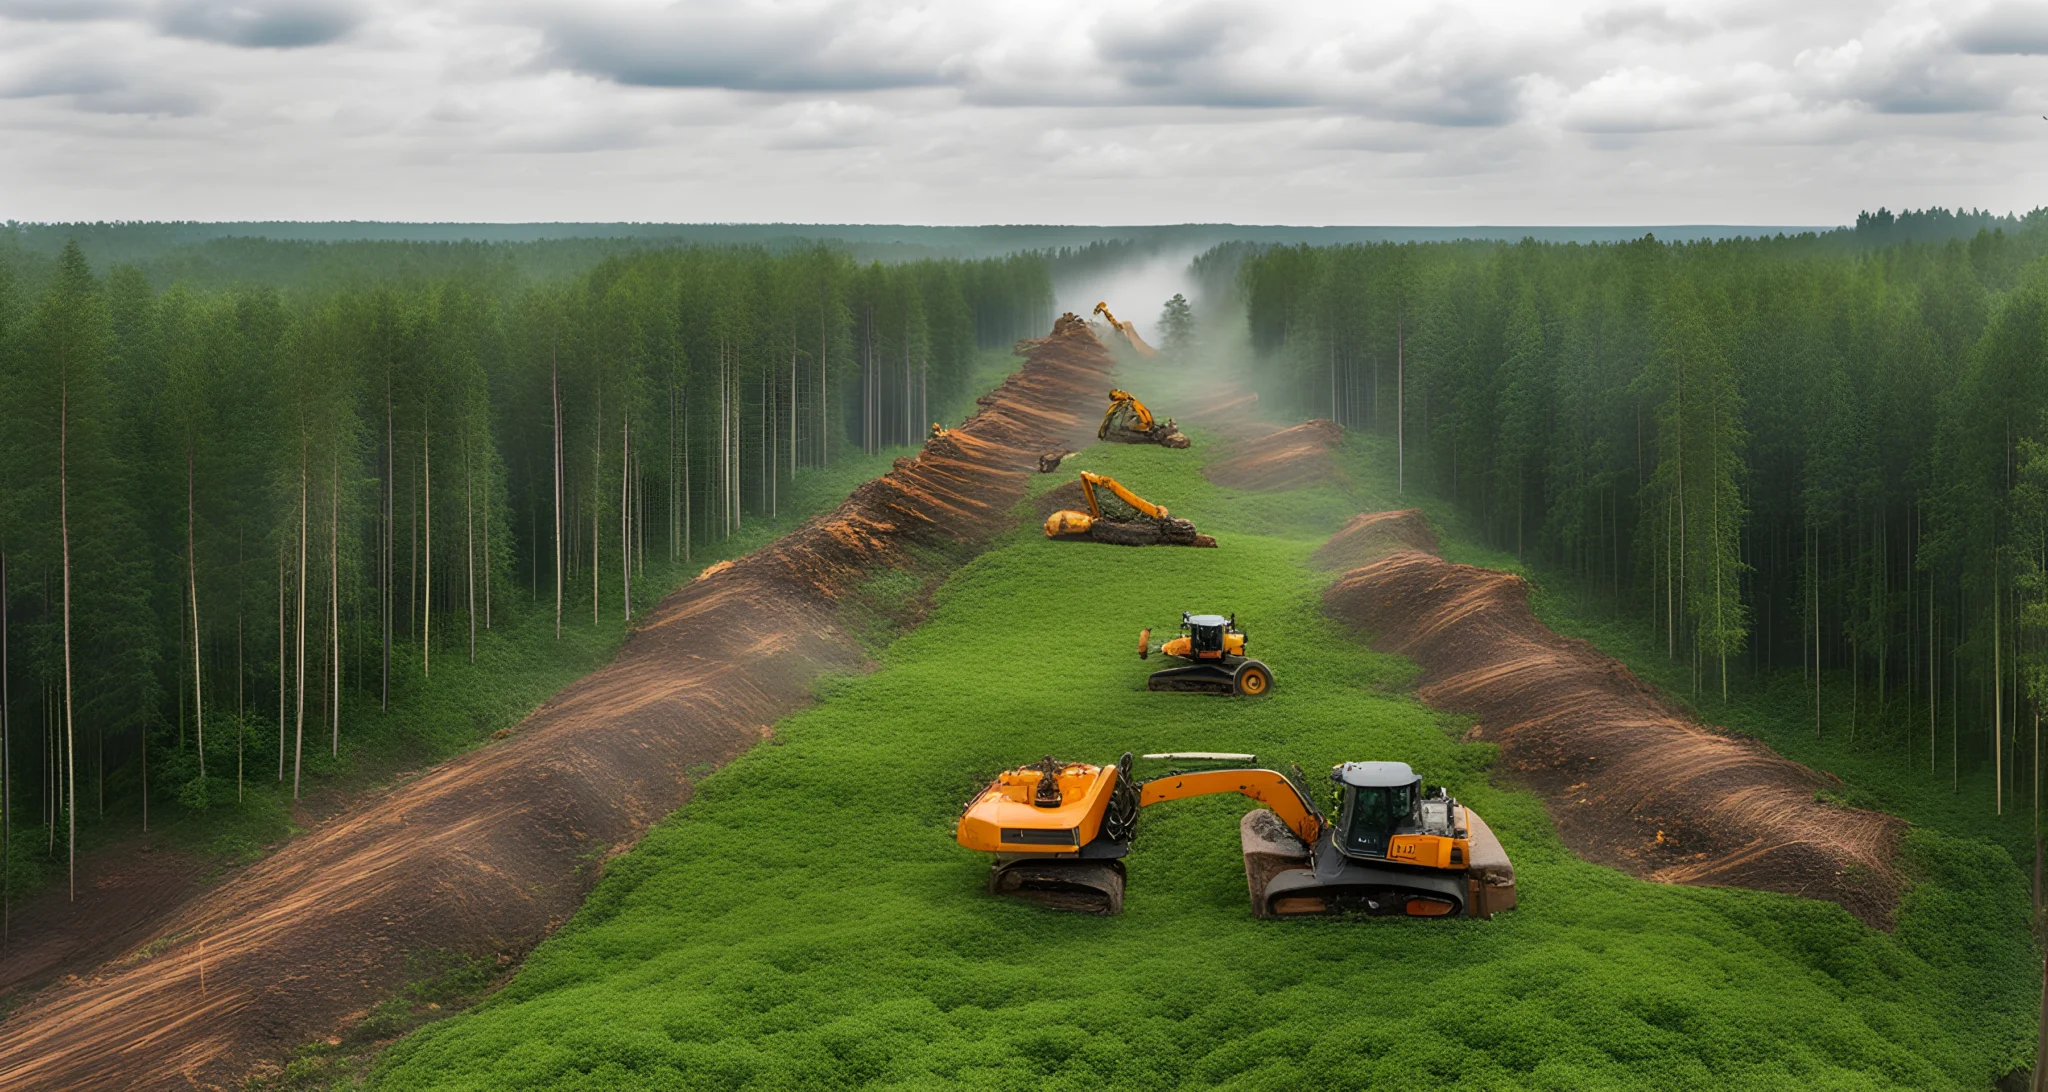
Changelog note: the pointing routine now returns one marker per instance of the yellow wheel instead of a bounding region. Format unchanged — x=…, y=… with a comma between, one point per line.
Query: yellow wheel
x=1253, y=680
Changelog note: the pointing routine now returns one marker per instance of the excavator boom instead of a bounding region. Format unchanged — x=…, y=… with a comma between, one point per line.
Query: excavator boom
x=1129, y=331
x=1268, y=787
x=1091, y=481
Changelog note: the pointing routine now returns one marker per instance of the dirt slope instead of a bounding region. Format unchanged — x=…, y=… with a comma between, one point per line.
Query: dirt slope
x=1289, y=458
x=485, y=853
x=1631, y=780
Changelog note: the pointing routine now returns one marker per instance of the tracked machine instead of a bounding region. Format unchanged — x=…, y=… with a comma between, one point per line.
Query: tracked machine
x=1128, y=421
x=1212, y=651
x=1140, y=523
x=1060, y=832
x=1126, y=330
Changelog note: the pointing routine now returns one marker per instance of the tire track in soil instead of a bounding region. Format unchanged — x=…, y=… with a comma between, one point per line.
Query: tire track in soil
x=486, y=853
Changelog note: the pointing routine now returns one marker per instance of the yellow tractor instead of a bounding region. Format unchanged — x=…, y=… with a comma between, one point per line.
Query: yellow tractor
x=1060, y=831
x=1147, y=524
x=1129, y=422
x=1129, y=332
x=1211, y=649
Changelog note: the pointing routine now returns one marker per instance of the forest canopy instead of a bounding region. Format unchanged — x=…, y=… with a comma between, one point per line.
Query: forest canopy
x=1785, y=454
x=245, y=498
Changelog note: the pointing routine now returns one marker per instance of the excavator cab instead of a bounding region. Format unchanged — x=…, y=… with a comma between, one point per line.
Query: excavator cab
x=1375, y=801
x=1205, y=634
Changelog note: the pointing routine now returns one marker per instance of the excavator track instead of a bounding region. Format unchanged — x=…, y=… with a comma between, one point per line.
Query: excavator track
x=1285, y=878
x=1061, y=883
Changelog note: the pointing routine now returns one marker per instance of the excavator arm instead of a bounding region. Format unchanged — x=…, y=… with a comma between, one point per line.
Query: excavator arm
x=1091, y=481
x=1268, y=787
x=1129, y=331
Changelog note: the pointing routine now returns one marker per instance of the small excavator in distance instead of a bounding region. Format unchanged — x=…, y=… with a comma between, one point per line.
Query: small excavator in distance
x=1129, y=332
x=1060, y=831
x=1149, y=525
x=1129, y=422
x=1212, y=648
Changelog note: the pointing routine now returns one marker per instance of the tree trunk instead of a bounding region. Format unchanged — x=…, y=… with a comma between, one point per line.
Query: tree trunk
x=192, y=583
x=281, y=662
x=6, y=775
x=299, y=719
x=469, y=542
x=626, y=512
x=64, y=533
x=555, y=387
x=334, y=604
x=427, y=549
x=388, y=562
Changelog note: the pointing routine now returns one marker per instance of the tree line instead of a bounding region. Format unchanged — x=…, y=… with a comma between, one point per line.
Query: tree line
x=1785, y=454
x=222, y=509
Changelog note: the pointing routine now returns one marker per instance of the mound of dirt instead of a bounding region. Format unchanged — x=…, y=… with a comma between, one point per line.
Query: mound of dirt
x=1631, y=780
x=1374, y=535
x=1288, y=459
x=485, y=853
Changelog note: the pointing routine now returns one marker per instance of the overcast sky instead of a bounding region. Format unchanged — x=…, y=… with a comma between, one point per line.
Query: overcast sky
x=1051, y=111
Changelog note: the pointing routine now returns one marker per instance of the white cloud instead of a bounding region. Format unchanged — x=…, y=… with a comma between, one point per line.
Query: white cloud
x=893, y=110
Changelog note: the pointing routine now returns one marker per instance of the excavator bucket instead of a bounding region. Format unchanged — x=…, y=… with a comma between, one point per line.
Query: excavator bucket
x=1287, y=878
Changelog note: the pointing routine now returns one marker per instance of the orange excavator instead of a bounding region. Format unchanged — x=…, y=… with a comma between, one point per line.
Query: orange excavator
x=1148, y=524
x=1129, y=332
x=1212, y=653
x=1060, y=832
x=1129, y=422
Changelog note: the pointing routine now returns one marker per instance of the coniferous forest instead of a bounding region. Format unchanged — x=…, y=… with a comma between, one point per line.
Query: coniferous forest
x=1820, y=455
x=230, y=514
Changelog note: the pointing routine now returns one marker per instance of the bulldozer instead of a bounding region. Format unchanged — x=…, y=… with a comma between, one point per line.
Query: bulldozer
x=1148, y=525
x=1129, y=422
x=1213, y=650
x=1129, y=332
x=1060, y=831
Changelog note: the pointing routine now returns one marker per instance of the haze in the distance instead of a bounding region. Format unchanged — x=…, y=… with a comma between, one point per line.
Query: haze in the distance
x=1053, y=111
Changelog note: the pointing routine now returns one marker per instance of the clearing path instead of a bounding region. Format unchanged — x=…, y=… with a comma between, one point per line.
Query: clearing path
x=487, y=852
x=1631, y=780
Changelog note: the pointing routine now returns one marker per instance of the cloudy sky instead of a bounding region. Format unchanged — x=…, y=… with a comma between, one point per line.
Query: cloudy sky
x=1072, y=111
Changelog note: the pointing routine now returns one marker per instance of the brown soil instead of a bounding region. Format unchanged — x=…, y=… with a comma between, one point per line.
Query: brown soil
x=1277, y=461
x=124, y=891
x=1374, y=535
x=1632, y=780
x=486, y=853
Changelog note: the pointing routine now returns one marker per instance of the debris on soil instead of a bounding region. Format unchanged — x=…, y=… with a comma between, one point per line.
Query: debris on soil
x=1050, y=461
x=1288, y=459
x=1631, y=780
x=1374, y=535
x=483, y=853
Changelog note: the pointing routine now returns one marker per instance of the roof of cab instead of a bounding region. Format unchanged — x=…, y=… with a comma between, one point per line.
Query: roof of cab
x=1207, y=620
x=1373, y=775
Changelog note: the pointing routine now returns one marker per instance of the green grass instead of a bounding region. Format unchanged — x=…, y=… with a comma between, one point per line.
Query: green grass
x=807, y=922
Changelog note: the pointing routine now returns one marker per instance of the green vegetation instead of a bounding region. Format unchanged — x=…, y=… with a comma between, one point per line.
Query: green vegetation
x=807, y=921
x=1784, y=460
x=246, y=527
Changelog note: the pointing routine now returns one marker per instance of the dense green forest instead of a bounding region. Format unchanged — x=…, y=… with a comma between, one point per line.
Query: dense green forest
x=1788, y=454
x=224, y=508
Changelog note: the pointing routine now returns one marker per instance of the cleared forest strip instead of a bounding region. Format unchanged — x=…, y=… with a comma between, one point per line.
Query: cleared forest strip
x=1631, y=780
x=484, y=854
